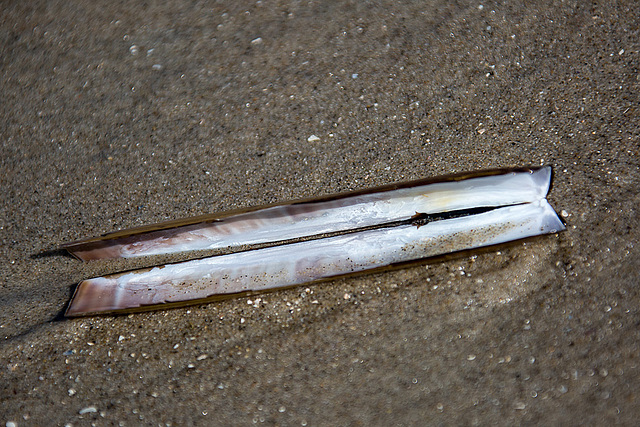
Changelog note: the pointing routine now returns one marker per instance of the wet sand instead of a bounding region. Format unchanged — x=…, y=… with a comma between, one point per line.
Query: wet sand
x=114, y=116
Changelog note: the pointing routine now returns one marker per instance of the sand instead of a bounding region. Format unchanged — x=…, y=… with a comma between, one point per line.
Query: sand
x=114, y=115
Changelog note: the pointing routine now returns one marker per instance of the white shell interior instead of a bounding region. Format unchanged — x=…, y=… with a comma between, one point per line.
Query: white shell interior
x=287, y=222
x=297, y=263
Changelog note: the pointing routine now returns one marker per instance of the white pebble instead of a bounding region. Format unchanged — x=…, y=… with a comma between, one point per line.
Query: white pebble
x=88, y=410
x=257, y=40
x=313, y=138
x=564, y=213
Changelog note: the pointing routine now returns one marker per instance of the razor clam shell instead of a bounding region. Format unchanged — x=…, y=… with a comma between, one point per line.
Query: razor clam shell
x=331, y=214
x=308, y=261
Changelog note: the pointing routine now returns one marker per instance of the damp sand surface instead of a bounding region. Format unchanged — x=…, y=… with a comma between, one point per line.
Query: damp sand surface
x=120, y=115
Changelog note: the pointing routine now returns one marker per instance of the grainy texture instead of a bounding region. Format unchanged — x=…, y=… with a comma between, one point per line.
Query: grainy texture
x=114, y=115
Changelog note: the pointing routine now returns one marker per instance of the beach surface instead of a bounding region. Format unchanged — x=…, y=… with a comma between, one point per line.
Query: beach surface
x=115, y=115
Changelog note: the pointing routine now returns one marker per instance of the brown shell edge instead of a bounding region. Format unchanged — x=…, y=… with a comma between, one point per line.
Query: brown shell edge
x=71, y=247
x=391, y=267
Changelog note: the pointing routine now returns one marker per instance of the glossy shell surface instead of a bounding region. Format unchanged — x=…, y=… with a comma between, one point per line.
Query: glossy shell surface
x=331, y=214
x=518, y=210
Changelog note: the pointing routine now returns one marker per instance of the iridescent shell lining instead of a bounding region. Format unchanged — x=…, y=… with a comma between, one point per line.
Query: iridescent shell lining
x=514, y=207
x=330, y=214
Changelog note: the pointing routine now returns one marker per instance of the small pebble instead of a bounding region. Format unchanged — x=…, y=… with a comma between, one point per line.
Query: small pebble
x=313, y=138
x=257, y=40
x=88, y=410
